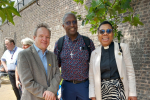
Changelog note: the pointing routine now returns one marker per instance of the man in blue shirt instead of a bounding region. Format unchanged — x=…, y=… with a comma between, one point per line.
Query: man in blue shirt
x=10, y=57
x=38, y=68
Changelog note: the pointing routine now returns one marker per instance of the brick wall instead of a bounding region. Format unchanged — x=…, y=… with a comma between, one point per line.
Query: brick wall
x=138, y=39
x=52, y=11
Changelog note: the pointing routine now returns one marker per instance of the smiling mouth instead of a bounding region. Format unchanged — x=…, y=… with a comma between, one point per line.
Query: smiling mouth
x=45, y=43
x=72, y=29
x=105, y=39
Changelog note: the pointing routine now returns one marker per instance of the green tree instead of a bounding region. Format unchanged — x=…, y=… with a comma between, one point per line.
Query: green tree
x=111, y=10
x=7, y=10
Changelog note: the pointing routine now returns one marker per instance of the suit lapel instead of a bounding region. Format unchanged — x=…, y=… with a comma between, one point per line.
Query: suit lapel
x=49, y=66
x=37, y=59
x=97, y=69
x=97, y=60
x=118, y=58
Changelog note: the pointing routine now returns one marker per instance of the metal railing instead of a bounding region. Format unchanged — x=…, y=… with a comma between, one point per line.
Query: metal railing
x=18, y=3
x=21, y=3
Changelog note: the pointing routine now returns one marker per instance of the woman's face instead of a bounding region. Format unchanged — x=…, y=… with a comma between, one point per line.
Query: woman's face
x=107, y=36
x=25, y=46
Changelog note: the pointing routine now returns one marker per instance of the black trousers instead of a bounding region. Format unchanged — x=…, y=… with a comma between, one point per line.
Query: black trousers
x=13, y=83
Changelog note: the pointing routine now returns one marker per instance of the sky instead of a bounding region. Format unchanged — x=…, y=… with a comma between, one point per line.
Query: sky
x=15, y=1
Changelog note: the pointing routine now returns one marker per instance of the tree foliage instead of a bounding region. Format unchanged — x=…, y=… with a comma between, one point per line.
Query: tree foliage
x=111, y=10
x=7, y=10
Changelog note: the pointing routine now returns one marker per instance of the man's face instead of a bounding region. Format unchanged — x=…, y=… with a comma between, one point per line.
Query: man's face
x=42, y=38
x=70, y=25
x=9, y=45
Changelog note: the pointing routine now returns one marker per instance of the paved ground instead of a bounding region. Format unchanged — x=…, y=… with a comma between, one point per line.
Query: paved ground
x=6, y=92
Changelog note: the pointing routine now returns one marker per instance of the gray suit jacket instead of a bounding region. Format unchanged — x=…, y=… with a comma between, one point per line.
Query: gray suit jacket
x=33, y=76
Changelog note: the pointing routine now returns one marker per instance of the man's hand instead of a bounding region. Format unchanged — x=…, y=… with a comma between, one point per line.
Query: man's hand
x=17, y=84
x=5, y=66
x=93, y=98
x=6, y=69
x=49, y=95
x=132, y=98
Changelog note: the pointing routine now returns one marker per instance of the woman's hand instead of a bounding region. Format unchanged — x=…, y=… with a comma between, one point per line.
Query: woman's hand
x=132, y=98
x=93, y=98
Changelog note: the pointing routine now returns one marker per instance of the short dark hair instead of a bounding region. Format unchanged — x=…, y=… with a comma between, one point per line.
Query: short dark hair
x=10, y=40
x=66, y=15
x=105, y=22
x=41, y=25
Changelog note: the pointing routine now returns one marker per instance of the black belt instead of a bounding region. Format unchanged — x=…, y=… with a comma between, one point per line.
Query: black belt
x=11, y=70
x=75, y=81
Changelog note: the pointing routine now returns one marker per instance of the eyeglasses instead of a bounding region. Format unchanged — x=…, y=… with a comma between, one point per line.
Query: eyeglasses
x=108, y=31
x=73, y=22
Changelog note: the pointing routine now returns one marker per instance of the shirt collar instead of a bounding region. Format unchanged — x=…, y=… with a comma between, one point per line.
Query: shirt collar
x=38, y=49
x=68, y=38
x=13, y=49
x=107, y=47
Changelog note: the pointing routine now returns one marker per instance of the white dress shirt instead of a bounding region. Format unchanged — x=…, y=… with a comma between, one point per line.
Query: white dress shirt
x=10, y=57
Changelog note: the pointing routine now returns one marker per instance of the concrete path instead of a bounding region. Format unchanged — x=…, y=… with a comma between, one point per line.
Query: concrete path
x=6, y=92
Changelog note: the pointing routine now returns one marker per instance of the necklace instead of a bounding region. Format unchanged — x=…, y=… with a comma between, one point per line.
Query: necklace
x=71, y=54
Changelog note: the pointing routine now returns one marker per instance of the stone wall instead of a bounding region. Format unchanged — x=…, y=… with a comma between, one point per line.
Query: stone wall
x=52, y=11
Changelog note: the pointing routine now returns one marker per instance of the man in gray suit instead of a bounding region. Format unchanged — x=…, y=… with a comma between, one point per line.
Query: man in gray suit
x=38, y=68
